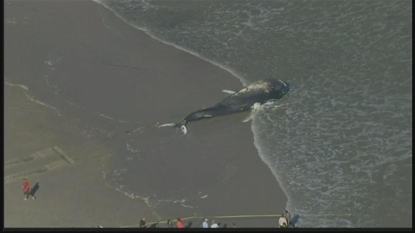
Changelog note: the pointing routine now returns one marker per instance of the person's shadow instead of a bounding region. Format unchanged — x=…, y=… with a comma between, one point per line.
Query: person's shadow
x=154, y=225
x=34, y=189
x=294, y=219
x=189, y=225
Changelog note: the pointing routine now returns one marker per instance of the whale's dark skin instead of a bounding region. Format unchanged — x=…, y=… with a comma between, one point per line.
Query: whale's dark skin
x=243, y=100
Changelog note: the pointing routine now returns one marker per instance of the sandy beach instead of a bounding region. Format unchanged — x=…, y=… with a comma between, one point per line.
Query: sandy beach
x=73, y=66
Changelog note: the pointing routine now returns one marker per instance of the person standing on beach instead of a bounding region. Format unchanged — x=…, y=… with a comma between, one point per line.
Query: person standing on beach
x=180, y=223
x=214, y=225
x=288, y=217
x=205, y=223
x=282, y=221
x=169, y=224
x=26, y=190
x=143, y=223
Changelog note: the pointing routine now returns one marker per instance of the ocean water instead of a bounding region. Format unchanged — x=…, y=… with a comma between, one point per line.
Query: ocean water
x=340, y=144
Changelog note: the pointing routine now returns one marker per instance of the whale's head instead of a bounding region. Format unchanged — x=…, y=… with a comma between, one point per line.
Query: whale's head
x=279, y=88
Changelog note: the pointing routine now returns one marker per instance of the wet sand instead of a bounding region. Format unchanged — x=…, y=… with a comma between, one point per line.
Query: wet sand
x=75, y=59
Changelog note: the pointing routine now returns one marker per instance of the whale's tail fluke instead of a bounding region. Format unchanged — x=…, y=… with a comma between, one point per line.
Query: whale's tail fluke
x=181, y=126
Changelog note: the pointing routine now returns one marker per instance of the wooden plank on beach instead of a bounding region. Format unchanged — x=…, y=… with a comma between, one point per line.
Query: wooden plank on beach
x=63, y=155
x=55, y=165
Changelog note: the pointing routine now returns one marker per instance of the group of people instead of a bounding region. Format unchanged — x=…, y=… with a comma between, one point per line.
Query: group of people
x=181, y=224
x=205, y=224
x=285, y=220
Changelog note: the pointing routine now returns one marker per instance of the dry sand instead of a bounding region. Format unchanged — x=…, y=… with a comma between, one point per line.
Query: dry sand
x=75, y=59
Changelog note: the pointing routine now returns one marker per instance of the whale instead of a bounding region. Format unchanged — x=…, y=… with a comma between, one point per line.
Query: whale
x=251, y=97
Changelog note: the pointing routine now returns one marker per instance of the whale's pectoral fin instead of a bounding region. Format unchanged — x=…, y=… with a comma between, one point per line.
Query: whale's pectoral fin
x=283, y=83
x=168, y=125
x=207, y=116
x=255, y=108
x=229, y=92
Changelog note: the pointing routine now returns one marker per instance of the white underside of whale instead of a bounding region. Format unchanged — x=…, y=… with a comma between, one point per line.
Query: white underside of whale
x=255, y=108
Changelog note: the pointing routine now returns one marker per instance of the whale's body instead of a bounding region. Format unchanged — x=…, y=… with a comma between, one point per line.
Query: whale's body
x=245, y=99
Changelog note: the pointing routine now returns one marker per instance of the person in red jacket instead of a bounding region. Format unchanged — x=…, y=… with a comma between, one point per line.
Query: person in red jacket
x=180, y=223
x=26, y=190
